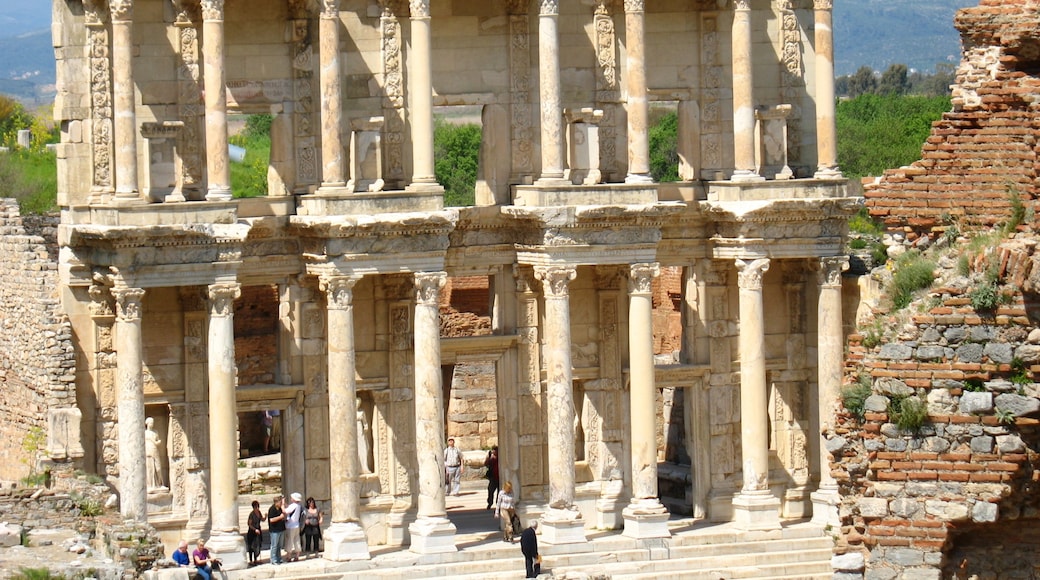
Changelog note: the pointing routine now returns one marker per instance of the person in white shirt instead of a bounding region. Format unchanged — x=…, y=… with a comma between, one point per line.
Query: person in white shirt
x=452, y=469
x=292, y=528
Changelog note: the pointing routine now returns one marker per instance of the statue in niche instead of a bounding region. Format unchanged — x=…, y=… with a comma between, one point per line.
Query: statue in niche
x=153, y=463
x=364, y=431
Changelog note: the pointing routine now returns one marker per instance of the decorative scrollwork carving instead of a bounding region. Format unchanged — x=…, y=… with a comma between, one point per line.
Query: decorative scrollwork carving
x=823, y=4
x=213, y=9
x=749, y=274
x=222, y=298
x=419, y=8
x=428, y=287
x=549, y=7
x=329, y=8
x=641, y=277
x=555, y=279
x=830, y=269
x=121, y=9
x=128, y=303
x=635, y=5
x=742, y=4
x=339, y=290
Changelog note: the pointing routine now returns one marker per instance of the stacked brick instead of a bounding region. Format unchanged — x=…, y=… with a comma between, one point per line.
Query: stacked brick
x=982, y=157
x=37, y=360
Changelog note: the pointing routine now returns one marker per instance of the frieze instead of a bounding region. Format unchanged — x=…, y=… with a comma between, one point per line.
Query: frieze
x=222, y=298
x=749, y=274
x=641, y=277
x=428, y=287
x=520, y=86
x=100, y=300
x=189, y=96
x=101, y=108
x=517, y=7
x=555, y=279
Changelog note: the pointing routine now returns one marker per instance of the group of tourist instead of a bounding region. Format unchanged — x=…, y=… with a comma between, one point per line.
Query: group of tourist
x=295, y=531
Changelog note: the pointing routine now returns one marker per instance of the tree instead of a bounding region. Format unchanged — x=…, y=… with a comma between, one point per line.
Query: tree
x=456, y=154
x=876, y=132
x=664, y=157
x=863, y=82
x=893, y=80
x=13, y=118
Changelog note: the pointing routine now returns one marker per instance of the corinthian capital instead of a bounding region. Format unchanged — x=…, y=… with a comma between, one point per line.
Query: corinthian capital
x=641, y=277
x=555, y=279
x=212, y=9
x=749, y=274
x=339, y=290
x=549, y=7
x=428, y=287
x=128, y=303
x=742, y=4
x=830, y=269
x=121, y=9
x=419, y=8
x=329, y=8
x=823, y=4
x=635, y=5
x=222, y=298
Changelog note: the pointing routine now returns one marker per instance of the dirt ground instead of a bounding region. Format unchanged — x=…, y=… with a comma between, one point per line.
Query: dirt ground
x=49, y=549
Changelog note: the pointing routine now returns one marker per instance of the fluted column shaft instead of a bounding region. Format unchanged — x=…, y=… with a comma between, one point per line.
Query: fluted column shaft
x=124, y=115
x=420, y=95
x=333, y=172
x=743, y=97
x=549, y=91
x=643, y=394
x=343, y=457
x=217, y=168
x=429, y=398
x=222, y=373
x=754, y=418
x=132, y=481
x=826, y=128
x=559, y=387
x=638, y=106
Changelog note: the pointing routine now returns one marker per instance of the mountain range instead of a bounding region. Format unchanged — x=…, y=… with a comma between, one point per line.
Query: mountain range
x=875, y=33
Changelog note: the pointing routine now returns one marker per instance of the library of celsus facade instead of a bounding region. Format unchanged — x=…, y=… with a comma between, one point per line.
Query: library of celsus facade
x=323, y=300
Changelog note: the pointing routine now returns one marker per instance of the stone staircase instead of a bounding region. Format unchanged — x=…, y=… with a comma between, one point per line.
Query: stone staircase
x=694, y=552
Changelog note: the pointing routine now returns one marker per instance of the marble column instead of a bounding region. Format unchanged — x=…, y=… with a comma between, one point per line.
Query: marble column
x=755, y=508
x=826, y=129
x=432, y=531
x=549, y=94
x=217, y=168
x=132, y=486
x=743, y=95
x=333, y=163
x=830, y=365
x=420, y=97
x=638, y=107
x=645, y=516
x=562, y=522
x=123, y=110
x=225, y=540
x=345, y=538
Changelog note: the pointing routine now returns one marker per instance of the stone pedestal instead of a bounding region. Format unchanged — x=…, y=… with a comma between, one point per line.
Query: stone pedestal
x=646, y=519
x=159, y=501
x=563, y=526
x=345, y=541
x=230, y=548
x=756, y=510
x=432, y=535
x=825, y=503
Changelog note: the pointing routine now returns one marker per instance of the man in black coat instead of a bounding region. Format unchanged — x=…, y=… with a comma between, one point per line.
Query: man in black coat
x=529, y=547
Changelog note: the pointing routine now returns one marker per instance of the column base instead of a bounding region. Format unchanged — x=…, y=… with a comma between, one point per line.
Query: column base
x=345, y=541
x=825, y=503
x=422, y=187
x=127, y=198
x=745, y=176
x=432, y=536
x=333, y=189
x=552, y=181
x=756, y=510
x=646, y=518
x=230, y=549
x=176, y=196
x=563, y=527
x=608, y=508
x=638, y=178
x=218, y=194
x=828, y=173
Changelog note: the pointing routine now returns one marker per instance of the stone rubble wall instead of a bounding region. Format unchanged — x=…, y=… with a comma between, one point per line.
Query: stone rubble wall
x=907, y=497
x=37, y=359
x=984, y=151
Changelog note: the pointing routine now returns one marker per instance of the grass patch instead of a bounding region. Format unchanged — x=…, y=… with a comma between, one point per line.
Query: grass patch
x=249, y=178
x=913, y=273
x=26, y=573
x=854, y=397
x=909, y=413
x=31, y=178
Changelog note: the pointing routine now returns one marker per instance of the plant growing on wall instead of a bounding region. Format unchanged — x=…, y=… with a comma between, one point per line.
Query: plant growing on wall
x=913, y=272
x=908, y=413
x=854, y=396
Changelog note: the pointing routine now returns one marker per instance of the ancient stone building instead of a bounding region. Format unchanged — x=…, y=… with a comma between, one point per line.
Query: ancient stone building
x=190, y=306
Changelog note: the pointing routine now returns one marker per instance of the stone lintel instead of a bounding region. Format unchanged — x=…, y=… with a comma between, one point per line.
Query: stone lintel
x=762, y=190
x=585, y=255
x=152, y=214
x=566, y=194
x=344, y=203
x=376, y=263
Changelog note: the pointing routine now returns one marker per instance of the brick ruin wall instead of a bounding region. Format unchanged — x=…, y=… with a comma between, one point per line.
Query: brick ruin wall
x=983, y=154
x=37, y=360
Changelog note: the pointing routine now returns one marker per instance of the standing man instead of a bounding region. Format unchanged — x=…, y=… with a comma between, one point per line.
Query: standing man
x=529, y=547
x=452, y=469
x=491, y=463
x=276, y=525
x=292, y=528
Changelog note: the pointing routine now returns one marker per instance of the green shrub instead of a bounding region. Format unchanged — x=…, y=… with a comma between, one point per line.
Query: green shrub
x=913, y=273
x=25, y=573
x=863, y=223
x=1005, y=416
x=985, y=296
x=456, y=153
x=876, y=133
x=857, y=244
x=854, y=397
x=1020, y=374
x=1018, y=211
x=909, y=413
x=974, y=385
x=249, y=178
x=664, y=156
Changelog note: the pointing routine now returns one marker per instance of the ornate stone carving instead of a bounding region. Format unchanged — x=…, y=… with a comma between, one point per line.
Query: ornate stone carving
x=829, y=270
x=101, y=107
x=515, y=7
x=428, y=287
x=189, y=93
x=711, y=75
x=330, y=8
x=549, y=7
x=121, y=9
x=419, y=8
x=749, y=274
x=339, y=290
x=634, y=5
x=303, y=92
x=823, y=4
x=94, y=12
x=400, y=327
x=100, y=300
x=606, y=56
x=641, y=277
x=128, y=303
x=742, y=4
x=393, y=90
x=555, y=279
x=186, y=11
x=222, y=298
x=522, y=145
x=213, y=9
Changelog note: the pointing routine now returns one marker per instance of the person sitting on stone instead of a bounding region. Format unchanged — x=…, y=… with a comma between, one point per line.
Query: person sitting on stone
x=204, y=562
x=181, y=556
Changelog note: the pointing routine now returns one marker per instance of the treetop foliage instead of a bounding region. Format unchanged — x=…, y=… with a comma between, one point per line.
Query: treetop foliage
x=878, y=132
x=896, y=80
